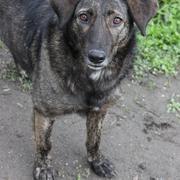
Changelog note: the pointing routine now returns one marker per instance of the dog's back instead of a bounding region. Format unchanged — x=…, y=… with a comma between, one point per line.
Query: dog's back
x=22, y=24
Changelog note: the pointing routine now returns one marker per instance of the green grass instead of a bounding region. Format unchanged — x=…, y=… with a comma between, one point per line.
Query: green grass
x=174, y=104
x=12, y=74
x=1, y=45
x=159, y=51
x=78, y=177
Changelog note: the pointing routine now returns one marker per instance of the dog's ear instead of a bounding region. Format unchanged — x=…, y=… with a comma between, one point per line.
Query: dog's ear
x=142, y=11
x=64, y=9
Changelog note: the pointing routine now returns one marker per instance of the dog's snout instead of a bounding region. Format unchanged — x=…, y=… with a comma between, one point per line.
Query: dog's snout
x=96, y=56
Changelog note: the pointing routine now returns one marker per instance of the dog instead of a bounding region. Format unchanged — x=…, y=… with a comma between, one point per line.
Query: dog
x=76, y=52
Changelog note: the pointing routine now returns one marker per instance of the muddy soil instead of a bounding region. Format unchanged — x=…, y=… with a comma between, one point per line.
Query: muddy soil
x=139, y=135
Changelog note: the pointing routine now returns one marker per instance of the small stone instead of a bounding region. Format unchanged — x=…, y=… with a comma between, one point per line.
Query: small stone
x=142, y=166
x=136, y=178
x=66, y=164
x=6, y=90
x=20, y=105
x=152, y=178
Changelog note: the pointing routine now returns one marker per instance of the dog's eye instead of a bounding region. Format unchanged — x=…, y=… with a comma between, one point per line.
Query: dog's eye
x=117, y=20
x=84, y=17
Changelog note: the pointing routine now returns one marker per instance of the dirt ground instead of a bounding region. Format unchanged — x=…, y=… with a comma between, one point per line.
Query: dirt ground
x=139, y=136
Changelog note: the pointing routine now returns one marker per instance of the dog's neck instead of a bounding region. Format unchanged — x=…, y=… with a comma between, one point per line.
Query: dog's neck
x=95, y=86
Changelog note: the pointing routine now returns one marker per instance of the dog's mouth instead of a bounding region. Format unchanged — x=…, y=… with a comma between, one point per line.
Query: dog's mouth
x=97, y=67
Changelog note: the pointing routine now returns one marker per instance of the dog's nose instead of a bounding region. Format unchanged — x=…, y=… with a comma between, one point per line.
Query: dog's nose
x=96, y=56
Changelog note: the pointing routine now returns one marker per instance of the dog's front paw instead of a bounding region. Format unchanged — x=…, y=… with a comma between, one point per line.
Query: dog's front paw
x=103, y=168
x=44, y=173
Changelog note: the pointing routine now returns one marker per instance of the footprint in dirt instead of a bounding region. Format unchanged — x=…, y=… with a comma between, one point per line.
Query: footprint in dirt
x=150, y=125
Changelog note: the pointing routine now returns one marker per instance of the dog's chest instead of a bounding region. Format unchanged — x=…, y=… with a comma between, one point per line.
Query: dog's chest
x=54, y=97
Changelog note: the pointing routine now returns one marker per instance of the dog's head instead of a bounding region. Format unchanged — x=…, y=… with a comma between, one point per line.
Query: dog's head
x=98, y=28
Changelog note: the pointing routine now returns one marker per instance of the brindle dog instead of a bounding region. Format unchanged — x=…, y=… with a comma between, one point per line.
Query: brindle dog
x=76, y=52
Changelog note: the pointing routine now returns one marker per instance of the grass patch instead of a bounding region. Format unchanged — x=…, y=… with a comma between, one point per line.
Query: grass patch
x=174, y=105
x=159, y=52
x=12, y=74
x=1, y=45
x=78, y=177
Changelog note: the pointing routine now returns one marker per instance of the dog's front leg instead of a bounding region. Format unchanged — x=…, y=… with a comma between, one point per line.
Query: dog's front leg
x=42, y=131
x=99, y=164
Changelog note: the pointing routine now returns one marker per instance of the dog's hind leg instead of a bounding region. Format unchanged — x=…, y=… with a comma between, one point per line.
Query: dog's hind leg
x=99, y=164
x=42, y=131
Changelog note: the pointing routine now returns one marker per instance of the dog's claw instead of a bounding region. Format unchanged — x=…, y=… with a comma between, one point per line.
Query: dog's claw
x=103, y=168
x=44, y=173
